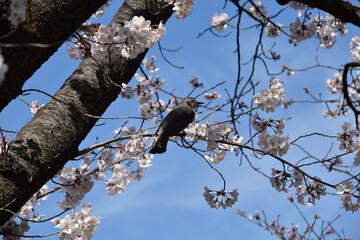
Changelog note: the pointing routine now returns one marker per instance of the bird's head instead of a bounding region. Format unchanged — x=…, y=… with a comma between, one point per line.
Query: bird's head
x=191, y=102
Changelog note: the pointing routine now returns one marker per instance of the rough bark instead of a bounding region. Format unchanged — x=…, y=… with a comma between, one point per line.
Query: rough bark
x=55, y=21
x=343, y=10
x=52, y=137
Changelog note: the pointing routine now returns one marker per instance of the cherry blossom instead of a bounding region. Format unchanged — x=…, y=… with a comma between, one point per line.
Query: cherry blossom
x=121, y=176
x=80, y=226
x=221, y=198
x=213, y=95
x=348, y=204
x=279, y=180
x=128, y=40
x=312, y=192
x=344, y=187
x=273, y=30
x=346, y=138
x=270, y=98
x=17, y=12
x=219, y=21
x=75, y=187
x=100, y=12
x=150, y=64
x=300, y=31
x=325, y=30
x=13, y=230
x=259, y=10
x=126, y=131
x=183, y=8
x=149, y=109
x=297, y=6
x=355, y=48
x=35, y=106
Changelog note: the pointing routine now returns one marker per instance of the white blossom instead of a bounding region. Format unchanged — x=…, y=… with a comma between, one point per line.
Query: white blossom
x=221, y=198
x=121, y=176
x=219, y=21
x=100, y=12
x=81, y=226
x=355, y=48
x=128, y=40
x=271, y=97
x=273, y=30
x=17, y=12
x=344, y=187
x=35, y=106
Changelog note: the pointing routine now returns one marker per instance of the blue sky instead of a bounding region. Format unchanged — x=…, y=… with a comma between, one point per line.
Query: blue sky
x=168, y=203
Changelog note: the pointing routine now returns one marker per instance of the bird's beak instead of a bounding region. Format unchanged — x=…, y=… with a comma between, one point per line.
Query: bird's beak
x=199, y=103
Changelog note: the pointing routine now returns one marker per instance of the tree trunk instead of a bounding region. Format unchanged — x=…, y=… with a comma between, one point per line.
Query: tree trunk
x=52, y=137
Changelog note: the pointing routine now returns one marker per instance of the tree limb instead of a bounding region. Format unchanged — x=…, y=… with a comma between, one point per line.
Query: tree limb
x=54, y=21
x=343, y=10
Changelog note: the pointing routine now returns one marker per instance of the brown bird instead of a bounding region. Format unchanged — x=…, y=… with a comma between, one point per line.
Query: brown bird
x=176, y=121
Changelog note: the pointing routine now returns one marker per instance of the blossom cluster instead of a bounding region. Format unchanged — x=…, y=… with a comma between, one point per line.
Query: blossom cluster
x=311, y=192
x=221, y=198
x=194, y=82
x=344, y=189
x=129, y=40
x=335, y=86
x=77, y=182
x=182, y=8
x=17, y=12
x=213, y=95
x=121, y=174
x=273, y=30
x=274, y=227
x=35, y=106
x=219, y=22
x=297, y=6
x=273, y=144
x=80, y=226
x=326, y=30
x=355, y=48
x=74, y=185
x=148, y=109
x=145, y=88
x=300, y=31
x=150, y=64
x=279, y=180
x=258, y=10
x=349, y=141
x=270, y=98
x=306, y=193
x=211, y=132
x=100, y=12
x=13, y=230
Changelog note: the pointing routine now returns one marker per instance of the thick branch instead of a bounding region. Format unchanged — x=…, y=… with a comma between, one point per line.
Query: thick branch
x=52, y=137
x=55, y=21
x=343, y=10
x=346, y=92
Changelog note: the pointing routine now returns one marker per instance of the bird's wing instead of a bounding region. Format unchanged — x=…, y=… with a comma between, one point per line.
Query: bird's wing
x=178, y=119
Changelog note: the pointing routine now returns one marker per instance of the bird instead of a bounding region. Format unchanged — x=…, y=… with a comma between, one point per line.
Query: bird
x=176, y=121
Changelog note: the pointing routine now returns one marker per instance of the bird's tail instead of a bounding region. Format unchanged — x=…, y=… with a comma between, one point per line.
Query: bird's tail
x=160, y=145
